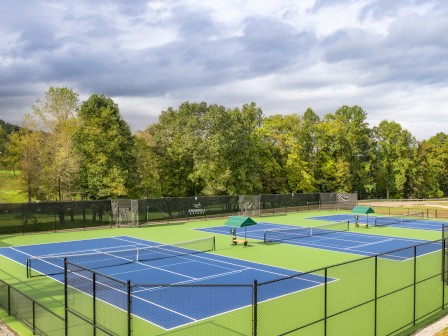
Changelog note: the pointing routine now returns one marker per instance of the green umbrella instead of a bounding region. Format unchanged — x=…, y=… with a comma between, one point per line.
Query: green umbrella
x=239, y=222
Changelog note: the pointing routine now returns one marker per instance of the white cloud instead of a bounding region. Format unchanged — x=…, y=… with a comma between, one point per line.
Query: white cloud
x=389, y=57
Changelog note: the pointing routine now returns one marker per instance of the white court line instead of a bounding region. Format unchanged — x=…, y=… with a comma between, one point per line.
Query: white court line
x=27, y=254
x=186, y=282
x=374, y=243
x=260, y=270
x=102, y=250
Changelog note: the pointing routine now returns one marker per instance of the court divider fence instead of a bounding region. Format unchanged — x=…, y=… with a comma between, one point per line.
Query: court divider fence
x=433, y=213
x=377, y=295
x=39, y=319
x=56, y=216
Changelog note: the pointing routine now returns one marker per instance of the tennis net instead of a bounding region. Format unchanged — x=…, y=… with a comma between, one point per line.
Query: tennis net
x=52, y=265
x=279, y=235
x=411, y=217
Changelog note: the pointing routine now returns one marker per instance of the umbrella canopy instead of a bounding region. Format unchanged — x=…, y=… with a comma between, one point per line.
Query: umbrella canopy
x=240, y=221
x=362, y=210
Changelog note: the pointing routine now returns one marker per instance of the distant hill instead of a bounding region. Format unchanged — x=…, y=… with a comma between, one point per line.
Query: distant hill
x=9, y=128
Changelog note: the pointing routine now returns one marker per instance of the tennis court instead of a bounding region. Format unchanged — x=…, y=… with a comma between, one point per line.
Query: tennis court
x=406, y=221
x=178, y=264
x=332, y=237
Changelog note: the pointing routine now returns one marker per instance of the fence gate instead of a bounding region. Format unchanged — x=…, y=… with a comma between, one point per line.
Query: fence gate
x=249, y=205
x=125, y=212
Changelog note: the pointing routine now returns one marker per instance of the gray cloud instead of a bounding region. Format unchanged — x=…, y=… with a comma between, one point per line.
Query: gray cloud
x=151, y=55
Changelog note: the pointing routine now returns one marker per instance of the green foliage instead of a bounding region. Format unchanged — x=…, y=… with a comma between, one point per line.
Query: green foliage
x=396, y=150
x=104, y=142
x=68, y=148
x=10, y=187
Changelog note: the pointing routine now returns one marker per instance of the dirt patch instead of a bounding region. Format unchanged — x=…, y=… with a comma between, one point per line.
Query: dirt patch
x=6, y=331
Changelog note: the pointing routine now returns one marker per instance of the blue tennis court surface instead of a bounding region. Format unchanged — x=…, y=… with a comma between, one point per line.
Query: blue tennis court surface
x=165, y=306
x=416, y=225
x=341, y=241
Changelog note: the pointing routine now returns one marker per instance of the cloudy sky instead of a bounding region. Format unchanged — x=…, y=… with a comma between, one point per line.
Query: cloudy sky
x=388, y=56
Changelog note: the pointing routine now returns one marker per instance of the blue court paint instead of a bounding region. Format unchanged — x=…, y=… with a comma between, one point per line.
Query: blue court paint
x=173, y=306
x=344, y=241
x=432, y=225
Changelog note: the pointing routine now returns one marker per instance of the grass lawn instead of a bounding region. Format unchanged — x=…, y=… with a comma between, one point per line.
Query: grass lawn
x=10, y=191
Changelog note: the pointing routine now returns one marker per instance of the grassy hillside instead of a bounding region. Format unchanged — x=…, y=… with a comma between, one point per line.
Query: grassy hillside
x=10, y=191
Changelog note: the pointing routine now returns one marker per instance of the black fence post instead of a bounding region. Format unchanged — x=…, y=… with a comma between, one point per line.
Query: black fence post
x=34, y=317
x=255, y=309
x=325, y=299
x=129, y=308
x=65, y=297
x=94, y=301
x=443, y=257
x=9, y=300
x=443, y=268
x=376, y=297
x=22, y=218
x=415, y=282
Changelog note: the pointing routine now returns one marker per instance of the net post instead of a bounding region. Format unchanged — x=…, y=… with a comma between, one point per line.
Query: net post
x=255, y=308
x=27, y=268
x=214, y=244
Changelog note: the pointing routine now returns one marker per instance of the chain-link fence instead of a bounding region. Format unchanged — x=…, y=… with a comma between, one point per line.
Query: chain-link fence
x=379, y=295
x=34, y=315
x=376, y=295
x=55, y=216
x=399, y=209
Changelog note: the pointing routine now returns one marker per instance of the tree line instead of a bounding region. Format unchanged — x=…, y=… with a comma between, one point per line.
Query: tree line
x=68, y=149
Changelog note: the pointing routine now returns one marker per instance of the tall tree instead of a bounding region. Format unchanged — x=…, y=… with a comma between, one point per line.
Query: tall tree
x=437, y=156
x=396, y=150
x=104, y=142
x=302, y=161
x=174, y=140
x=25, y=148
x=147, y=182
x=56, y=115
x=356, y=143
x=274, y=152
x=228, y=157
x=333, y=169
